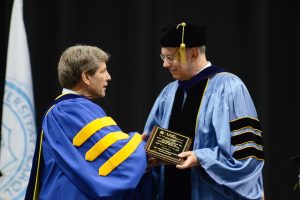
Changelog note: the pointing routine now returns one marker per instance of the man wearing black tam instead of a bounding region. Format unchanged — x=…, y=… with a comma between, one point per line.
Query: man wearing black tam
x=215, y=109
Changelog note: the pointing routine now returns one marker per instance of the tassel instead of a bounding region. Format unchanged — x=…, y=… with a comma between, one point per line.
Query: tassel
x=182, y=45
x=182, y=53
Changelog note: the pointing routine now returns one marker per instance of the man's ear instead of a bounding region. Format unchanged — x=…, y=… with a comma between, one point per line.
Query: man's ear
x=196, y=53
x=85, y=78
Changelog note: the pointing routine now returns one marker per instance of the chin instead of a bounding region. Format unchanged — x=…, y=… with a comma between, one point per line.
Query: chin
x=97, y=96
x=176, y=77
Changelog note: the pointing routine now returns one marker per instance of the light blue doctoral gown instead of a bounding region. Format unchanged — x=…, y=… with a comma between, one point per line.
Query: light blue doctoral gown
x=220, y=175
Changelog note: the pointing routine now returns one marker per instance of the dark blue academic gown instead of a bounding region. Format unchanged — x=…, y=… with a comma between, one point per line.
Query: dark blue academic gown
x=85, y=154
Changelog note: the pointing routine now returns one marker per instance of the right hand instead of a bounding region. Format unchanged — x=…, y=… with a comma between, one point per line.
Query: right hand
x=144, y=136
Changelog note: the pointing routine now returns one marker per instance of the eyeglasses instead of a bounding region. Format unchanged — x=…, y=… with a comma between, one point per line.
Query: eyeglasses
x=168, y=58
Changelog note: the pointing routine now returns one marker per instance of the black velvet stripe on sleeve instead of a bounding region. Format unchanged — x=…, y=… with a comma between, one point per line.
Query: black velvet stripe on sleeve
x=246, y=137
x=245, y=122
x=248, y=152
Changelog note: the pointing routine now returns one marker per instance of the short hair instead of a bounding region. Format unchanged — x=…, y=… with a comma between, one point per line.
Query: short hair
x=202, y=49
x=78, y=59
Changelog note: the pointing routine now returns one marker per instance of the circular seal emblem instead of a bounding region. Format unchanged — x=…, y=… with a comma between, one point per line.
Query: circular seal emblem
x=17, y=142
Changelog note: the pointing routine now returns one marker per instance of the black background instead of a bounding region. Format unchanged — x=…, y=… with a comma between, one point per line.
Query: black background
x=256, y=39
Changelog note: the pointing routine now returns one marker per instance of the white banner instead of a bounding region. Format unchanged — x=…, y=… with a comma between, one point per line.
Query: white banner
x=18, y=129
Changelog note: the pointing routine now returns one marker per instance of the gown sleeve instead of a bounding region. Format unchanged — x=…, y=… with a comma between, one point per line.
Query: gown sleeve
x=234, y=155
x=63, y=122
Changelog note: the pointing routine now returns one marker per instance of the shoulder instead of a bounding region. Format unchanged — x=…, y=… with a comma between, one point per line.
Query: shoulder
x=226, y=80
x=72, y=115
x=77, y=106
x=226, y=77
x=170, y=87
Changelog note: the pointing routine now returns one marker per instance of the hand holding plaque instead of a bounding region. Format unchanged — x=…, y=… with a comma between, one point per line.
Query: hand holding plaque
x=166, y=145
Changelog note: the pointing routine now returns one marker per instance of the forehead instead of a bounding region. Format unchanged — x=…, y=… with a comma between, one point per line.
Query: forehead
x=102, y=66
x=169, y=50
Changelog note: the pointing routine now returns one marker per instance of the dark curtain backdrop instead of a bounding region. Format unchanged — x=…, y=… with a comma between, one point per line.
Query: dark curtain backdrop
x=257, y=40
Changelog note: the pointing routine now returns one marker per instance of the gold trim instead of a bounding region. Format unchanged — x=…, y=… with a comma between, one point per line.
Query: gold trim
x=49, y=109
x=153, y=146
x=244, y=118
x=248, y=142
x=249, y=156
x=235, y=130
x=244, y=158
x=36, y=192
x=104, y=143
x=248, y=147
x=246, y=132
x=61, y=96
x=91, y=128
x=120, y=156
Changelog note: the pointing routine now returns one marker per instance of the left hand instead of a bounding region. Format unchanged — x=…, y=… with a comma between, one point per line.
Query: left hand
x=189, y=160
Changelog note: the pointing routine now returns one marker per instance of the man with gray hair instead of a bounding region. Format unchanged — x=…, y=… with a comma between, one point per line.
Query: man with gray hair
x=82, y=153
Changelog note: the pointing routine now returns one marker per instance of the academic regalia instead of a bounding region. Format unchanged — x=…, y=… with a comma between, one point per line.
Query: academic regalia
x=85, y=155
x=227, y=138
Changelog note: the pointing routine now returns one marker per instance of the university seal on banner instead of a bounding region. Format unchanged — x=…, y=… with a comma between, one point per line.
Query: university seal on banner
x=17, y=143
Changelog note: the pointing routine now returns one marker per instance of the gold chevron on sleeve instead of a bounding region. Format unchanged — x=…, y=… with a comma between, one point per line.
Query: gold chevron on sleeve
x=91, y=128
x=104, y=143
x=120, y=156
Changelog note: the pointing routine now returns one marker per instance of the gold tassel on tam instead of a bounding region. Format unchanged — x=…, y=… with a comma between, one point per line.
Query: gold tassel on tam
x=182, y=45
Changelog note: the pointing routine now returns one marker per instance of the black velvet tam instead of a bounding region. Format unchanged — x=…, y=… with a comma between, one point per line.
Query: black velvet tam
x=194, y=36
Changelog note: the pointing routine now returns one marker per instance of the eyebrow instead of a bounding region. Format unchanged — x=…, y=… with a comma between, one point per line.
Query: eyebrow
x=168, y=54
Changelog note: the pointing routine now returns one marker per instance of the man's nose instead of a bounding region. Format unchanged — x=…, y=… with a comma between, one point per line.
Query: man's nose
x=108, y=76
x=166, y=64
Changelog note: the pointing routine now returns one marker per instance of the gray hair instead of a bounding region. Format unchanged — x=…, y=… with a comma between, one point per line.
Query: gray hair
x=202, y=49
x=78, y=59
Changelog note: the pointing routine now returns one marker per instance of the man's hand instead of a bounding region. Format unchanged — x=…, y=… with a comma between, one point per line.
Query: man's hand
x=144, y=136
x=189, y=160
